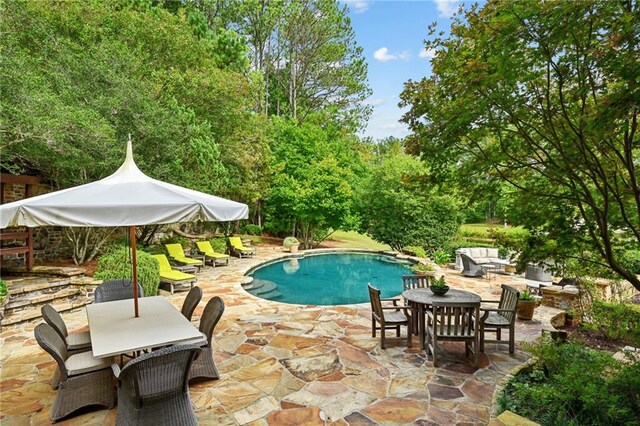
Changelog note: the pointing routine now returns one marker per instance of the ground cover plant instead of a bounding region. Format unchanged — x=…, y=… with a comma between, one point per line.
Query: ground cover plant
x=571, y=384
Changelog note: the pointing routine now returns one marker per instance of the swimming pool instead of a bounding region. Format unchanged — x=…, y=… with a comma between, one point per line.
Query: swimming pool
x=328, y=279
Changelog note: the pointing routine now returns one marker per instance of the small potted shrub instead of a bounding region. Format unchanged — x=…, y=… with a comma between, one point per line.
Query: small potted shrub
x=424, y=269
x=439, y=287
x=291, y=244
x=526, y=305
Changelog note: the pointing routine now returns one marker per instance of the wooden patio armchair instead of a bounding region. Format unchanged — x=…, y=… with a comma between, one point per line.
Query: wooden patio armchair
x=389, y=317
x=503, y=316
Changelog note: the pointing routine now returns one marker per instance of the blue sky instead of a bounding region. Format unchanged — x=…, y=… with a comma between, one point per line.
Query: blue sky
x=391, y=32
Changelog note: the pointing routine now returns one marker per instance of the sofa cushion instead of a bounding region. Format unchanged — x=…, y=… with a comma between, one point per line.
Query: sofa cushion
x=477, y=252
x=492, y=252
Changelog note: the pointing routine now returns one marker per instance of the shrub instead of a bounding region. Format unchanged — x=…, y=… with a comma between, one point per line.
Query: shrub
x=419, y=251
x=441, y=257
x=176, y=239
x=290, y=241
x=219, y=244
x=631, y=261
x=615, y=321
x=420, y=267
x=251, y=229
x=573, y=385
x=451, y=246
x=117, y=264
x=3, y=288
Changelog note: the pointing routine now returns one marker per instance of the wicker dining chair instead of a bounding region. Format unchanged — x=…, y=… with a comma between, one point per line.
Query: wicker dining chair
x=409, y=282
x=117, y=289
x=191, y=302
x=84, y=379
x=501, y=317
x=389, y=317
x=204, y=367
x=75, y=342
x=153, y=389
x=453, y=321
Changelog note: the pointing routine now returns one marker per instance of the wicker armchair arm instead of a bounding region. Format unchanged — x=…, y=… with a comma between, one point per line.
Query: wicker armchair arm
x=116, y=370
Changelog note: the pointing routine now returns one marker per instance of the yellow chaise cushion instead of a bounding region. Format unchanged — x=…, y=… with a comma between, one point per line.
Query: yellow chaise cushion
x=168, y=273
x=237, y=244
x=205, y=248
x=175, y=251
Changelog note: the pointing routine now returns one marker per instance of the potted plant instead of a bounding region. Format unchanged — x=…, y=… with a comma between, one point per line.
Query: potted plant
x=526, y=305
x=291, y=244
x=424, y=269
x=439, y=287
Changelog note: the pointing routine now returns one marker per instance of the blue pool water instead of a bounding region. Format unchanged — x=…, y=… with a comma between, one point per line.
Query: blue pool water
x=328, y=279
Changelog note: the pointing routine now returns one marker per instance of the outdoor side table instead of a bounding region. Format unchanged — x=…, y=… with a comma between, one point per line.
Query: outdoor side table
x=423, y=298
x=115, y=330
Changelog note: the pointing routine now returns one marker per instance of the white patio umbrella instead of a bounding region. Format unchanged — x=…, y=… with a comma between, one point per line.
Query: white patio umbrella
x=126, y=198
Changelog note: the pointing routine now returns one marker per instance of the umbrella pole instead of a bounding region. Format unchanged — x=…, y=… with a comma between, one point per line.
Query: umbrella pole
x=134, y=267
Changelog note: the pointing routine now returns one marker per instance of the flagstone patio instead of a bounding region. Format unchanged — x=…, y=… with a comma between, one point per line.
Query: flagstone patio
x=292, y=365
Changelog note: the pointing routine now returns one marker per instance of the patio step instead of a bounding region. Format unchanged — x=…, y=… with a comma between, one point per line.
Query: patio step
x=28, y=294
x=32, y=314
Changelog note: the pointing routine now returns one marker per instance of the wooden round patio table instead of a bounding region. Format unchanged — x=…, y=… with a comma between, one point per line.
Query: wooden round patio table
x=423, y=298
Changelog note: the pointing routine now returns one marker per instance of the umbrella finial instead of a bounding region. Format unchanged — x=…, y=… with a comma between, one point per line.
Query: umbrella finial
x=129, y=149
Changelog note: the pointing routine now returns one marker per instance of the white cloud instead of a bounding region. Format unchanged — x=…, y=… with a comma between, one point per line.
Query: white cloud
x=358, y=6
x=447, y=8
x=383, y=55
x=374, y=102
x=424, y=53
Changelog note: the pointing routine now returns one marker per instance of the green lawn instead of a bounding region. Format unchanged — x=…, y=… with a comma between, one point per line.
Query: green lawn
x=480, y=229
x=352, y=239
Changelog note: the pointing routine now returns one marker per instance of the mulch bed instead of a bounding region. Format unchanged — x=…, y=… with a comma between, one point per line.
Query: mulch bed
x=593, y=339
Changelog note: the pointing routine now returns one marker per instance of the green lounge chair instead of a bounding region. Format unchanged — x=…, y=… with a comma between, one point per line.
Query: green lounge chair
x=172, y=277
x=240, y=249
x=176, y=253
x=204, y=247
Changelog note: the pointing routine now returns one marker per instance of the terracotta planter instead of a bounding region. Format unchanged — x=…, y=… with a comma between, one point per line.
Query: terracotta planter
x=525, y=309
x=293, y=248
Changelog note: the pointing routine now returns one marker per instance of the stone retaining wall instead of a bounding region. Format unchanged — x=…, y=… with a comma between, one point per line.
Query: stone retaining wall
x=49, y=243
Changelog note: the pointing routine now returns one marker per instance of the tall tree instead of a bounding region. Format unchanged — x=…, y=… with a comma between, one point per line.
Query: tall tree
x=306, y=54
x=399, y=208
x=545, y=95
x=314, y=169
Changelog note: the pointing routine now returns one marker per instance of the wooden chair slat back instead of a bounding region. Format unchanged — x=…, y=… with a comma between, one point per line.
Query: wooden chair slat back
x=410, y=282
x=508, y=300
x=456, y=319
x=376, y=304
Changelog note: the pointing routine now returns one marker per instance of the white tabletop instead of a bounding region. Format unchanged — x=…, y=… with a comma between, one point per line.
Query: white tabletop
x=115, y=330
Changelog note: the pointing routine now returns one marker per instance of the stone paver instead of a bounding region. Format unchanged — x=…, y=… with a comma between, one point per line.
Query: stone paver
x=289, y=364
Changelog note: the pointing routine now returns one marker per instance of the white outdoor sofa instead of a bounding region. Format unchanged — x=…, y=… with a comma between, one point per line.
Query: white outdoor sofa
x=479, y=255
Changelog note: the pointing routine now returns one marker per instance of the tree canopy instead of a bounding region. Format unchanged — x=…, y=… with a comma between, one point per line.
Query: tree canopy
x=544, y=96
x=399, y=207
